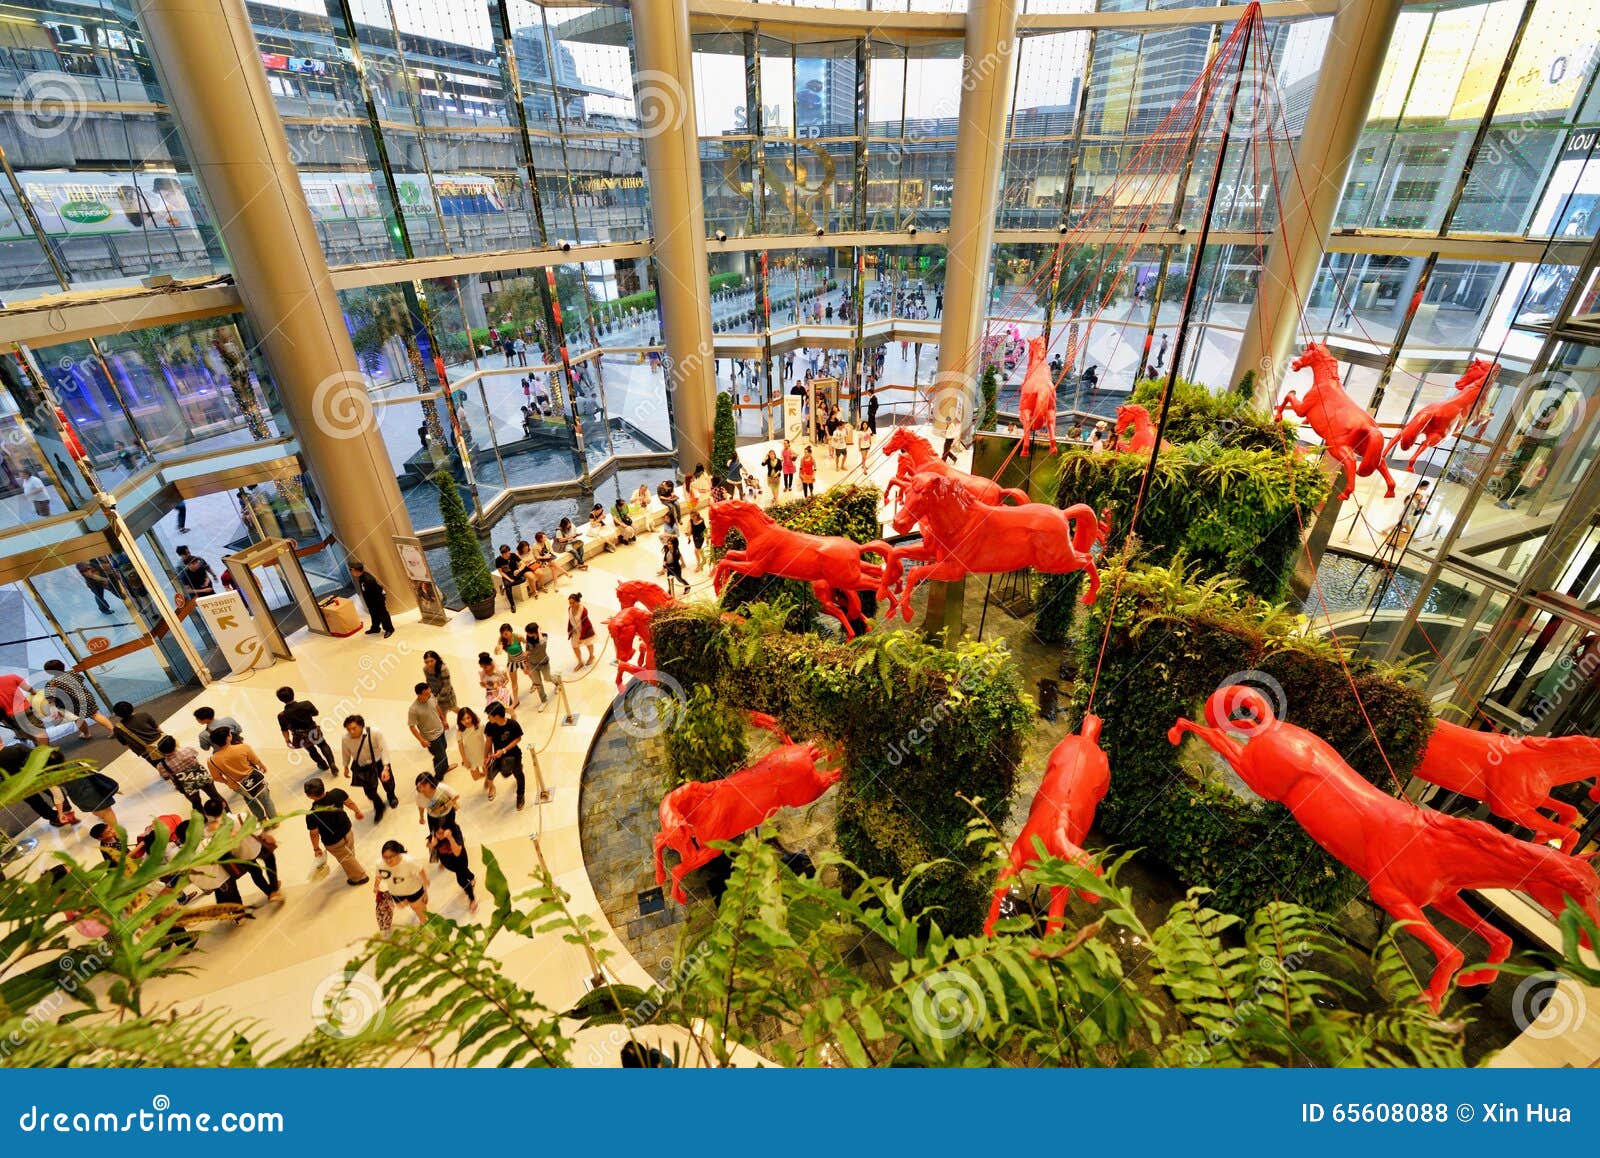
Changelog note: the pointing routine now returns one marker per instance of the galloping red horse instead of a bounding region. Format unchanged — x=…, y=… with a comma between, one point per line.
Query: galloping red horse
x=961, y=536
x=828, y=562
x=1075, y=782
x=1037, y=407
x=695, y=814
x=1144, y=430
x=917, y=456
x=1410, y=857
x=1513, y=775
x=630, y=628
x=1430, y=425
x=1349, y=432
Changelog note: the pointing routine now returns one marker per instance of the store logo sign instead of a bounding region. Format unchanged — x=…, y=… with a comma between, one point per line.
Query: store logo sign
x=86, y=212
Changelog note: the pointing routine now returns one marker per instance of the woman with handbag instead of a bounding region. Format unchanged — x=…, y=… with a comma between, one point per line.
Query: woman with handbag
x=366, y=762
x=448, y=846
x=403, y=879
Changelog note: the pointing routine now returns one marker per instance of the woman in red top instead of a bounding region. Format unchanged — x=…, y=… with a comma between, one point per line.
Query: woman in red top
x=808, y=474
x=580, y=632
x=788, y=466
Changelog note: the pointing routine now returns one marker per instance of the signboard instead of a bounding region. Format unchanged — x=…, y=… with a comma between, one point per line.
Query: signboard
x=794, y=421
x=429, y=601
x=230, y=624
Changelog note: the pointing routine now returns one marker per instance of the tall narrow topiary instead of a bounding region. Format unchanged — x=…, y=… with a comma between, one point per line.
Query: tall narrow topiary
x=990, y=385
x=474, y=583
x=724, y=439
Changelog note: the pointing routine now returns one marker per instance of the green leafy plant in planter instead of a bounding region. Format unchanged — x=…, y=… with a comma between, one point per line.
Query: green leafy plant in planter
x=724, y=440
x=704, y=738
x=1174, y=639
x=474, y=581
x=921, y=730
x=1231, y=510
x=1195, y=414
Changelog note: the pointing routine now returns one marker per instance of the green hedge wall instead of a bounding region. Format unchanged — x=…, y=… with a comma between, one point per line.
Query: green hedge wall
x=1230, y=509
x=1195, y=413
x=850, y=511
x=1173, y=642
x=917, y=725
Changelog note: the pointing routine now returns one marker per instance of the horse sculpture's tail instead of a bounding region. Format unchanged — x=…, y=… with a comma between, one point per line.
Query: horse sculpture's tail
x=892, y=573
x=1088, y=528
x=1241, y=699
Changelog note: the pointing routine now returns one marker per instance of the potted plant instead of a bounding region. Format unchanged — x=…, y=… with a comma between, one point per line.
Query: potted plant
x=474, y=582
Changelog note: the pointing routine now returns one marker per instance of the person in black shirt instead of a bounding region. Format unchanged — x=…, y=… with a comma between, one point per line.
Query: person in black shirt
x=298, y=722
x=136, y=731
x=331, y=829
x=503, y=756
x=12, y=758
x=512, y=572
x=376, y=599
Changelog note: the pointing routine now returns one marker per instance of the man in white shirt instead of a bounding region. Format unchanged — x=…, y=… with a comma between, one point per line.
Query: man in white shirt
x=33, y=489
x=366, y=762
x=952, y=434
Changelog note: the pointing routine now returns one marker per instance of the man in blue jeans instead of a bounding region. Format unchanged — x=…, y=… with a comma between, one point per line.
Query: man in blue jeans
x=423, y=717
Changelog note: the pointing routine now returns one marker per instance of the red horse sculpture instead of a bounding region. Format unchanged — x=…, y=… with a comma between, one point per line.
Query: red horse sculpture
x=1430, y=425
x=1349, y=432
x=1512, y=775
x=917, y=456
x=828, y=562
x=630, y=628
x=961, y=536
x=1144, y=430
x=1037, y=407
x=1075, y=782
x=1410, y=857
x=695, y=814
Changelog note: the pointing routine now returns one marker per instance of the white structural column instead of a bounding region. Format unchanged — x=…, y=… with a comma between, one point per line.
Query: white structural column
x=664, y=90
x=210, y=66
x=1351, y=67
x=986, y=80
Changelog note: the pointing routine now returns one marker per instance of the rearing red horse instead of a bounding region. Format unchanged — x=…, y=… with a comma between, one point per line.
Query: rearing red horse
x=1433, y=423
x=961, y=536
x=1348, y=431
x=917, y=456
x=630, y=628
x=1410, y=857
x=828, y=562
x=1144, y=430
x=1037, y=407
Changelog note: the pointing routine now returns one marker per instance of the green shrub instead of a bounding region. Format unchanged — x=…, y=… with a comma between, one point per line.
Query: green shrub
x=918, y=727
x=1172, y=643
x=848, y=511
x=990, y=385
x=474, y=582
x=704, y=738
x=721, y=281
x=1230, y=509
x=724, y=436
x=1196, y=414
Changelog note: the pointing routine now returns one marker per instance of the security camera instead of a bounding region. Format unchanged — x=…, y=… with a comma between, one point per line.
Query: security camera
x=722, y=235
x=566, y=246
x=911, y=229
x=1182, y=230
x=1062, y=228
x=820, y=231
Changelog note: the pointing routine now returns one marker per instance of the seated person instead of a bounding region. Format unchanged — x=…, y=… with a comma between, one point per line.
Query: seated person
x=624, y=521
x=599, y=531
x=511, y=572
x=669, y=499
x=545, y=569
x=568, y=539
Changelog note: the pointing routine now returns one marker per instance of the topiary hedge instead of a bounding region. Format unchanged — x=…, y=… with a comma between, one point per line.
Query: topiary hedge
x=848, y=511
x=724, y=434
x=1172, y=643
x=916, y=725
x=704, y=738
x=1230, y=510
x=1196, y=414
